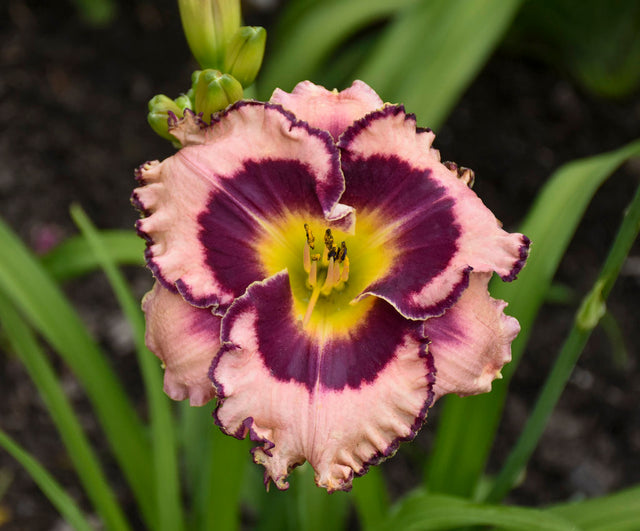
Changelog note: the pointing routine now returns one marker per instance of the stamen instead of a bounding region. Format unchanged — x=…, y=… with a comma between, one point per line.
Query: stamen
x=328, y=245
x=344, y=275
x=312, y=303
x=310, y=239
x=306, y=257
x=326, y=271
x=330, y=280
x=328, y=239
x=342, y=252
x=313, y=271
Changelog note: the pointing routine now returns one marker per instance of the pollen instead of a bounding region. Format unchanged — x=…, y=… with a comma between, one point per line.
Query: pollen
x=326, y=272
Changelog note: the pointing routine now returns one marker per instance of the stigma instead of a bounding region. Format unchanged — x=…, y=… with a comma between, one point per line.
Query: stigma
x=327, y=271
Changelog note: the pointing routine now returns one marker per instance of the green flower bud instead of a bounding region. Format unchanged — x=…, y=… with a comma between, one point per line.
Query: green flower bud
x=159, y=108
x=244, y=54
x=209, y=25
x=215, y=91
x=184, y=102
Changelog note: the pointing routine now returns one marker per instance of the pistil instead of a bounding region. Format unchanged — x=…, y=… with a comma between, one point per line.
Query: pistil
x=326, y=272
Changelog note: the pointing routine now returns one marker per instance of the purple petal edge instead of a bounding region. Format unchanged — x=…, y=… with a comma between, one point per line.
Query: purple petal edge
x=388, y=110
x=325, y=136
x=522, y=260
x=376, y=459
x=417, y=422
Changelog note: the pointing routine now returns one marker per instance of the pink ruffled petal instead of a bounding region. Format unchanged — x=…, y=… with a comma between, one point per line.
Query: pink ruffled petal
x=207, y=207
x=341, y=403
x=436, y=227
x=471, y=342
x=186, y=339
x=332, y=111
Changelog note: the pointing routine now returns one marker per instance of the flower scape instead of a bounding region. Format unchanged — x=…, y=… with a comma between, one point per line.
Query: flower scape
x=323, y=275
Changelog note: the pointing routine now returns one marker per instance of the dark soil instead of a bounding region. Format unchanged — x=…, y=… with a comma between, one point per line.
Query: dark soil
x=72, y=112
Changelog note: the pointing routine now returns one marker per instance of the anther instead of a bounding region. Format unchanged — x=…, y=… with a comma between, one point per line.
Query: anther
x=342, y=252
x=328, y=239
x=310, y=239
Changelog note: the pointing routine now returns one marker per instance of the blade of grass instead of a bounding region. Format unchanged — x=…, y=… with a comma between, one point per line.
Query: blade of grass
x=216, y=465
x=425, y=512
x=467, y=426
x=616, y=512
x=432, y=50
x=166, y=476
x=589, y=314
x=619, y=351
x=63, y=503
x=42, y=303
x=305, y=45
x=73, y=257
x=371, y=498
x=317, y=510
x=84, y=460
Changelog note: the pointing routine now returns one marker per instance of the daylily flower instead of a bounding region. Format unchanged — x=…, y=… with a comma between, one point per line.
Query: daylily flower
x=328, y=272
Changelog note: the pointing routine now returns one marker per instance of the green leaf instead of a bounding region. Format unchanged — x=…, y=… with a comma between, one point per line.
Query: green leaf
x=587, y=317
x=616, y=512
x=43, y=304
x=467, y=426
x=619, y=352
x=302, y=47
x=73, y=257
x=426, y=512
x=44, y=377
x=63, y=503
x=371, y=498
x=166, y=476
x=597, y=45
x=216, y=465
x=589, y=314
x=432, y=51
x=317, y=510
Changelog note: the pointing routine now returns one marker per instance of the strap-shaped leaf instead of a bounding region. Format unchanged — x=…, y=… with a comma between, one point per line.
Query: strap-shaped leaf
x=43, y=304
x=73, y=257
x=616, y=512
x=467, y=426
x=432, y=51
x=306, y=43
x=427, y=512
x=166, y=476
x=64, y=504
x=84, y=460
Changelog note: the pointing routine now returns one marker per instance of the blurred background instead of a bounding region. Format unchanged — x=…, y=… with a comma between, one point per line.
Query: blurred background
x=556, y=84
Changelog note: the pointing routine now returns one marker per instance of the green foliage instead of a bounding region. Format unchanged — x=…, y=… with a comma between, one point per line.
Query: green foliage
x=467, y=426
x=182, y=471
x=425, y=56
x=598, y=43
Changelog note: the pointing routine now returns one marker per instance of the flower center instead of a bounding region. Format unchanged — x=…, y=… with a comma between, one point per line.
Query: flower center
x=326, y=282
x=327, y=271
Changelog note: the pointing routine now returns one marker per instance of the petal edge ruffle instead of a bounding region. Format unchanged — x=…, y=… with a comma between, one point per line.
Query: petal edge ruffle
x=341, y=432
x=471, y=342
x=178, y=191
x=331, y=111
x=385, y=152
x=186, y=339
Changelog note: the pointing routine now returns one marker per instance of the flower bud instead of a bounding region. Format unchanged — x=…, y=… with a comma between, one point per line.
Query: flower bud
x=184, y=102
x=208, y=26
x=244, y=54
x=159, y=108
x=215, y=91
